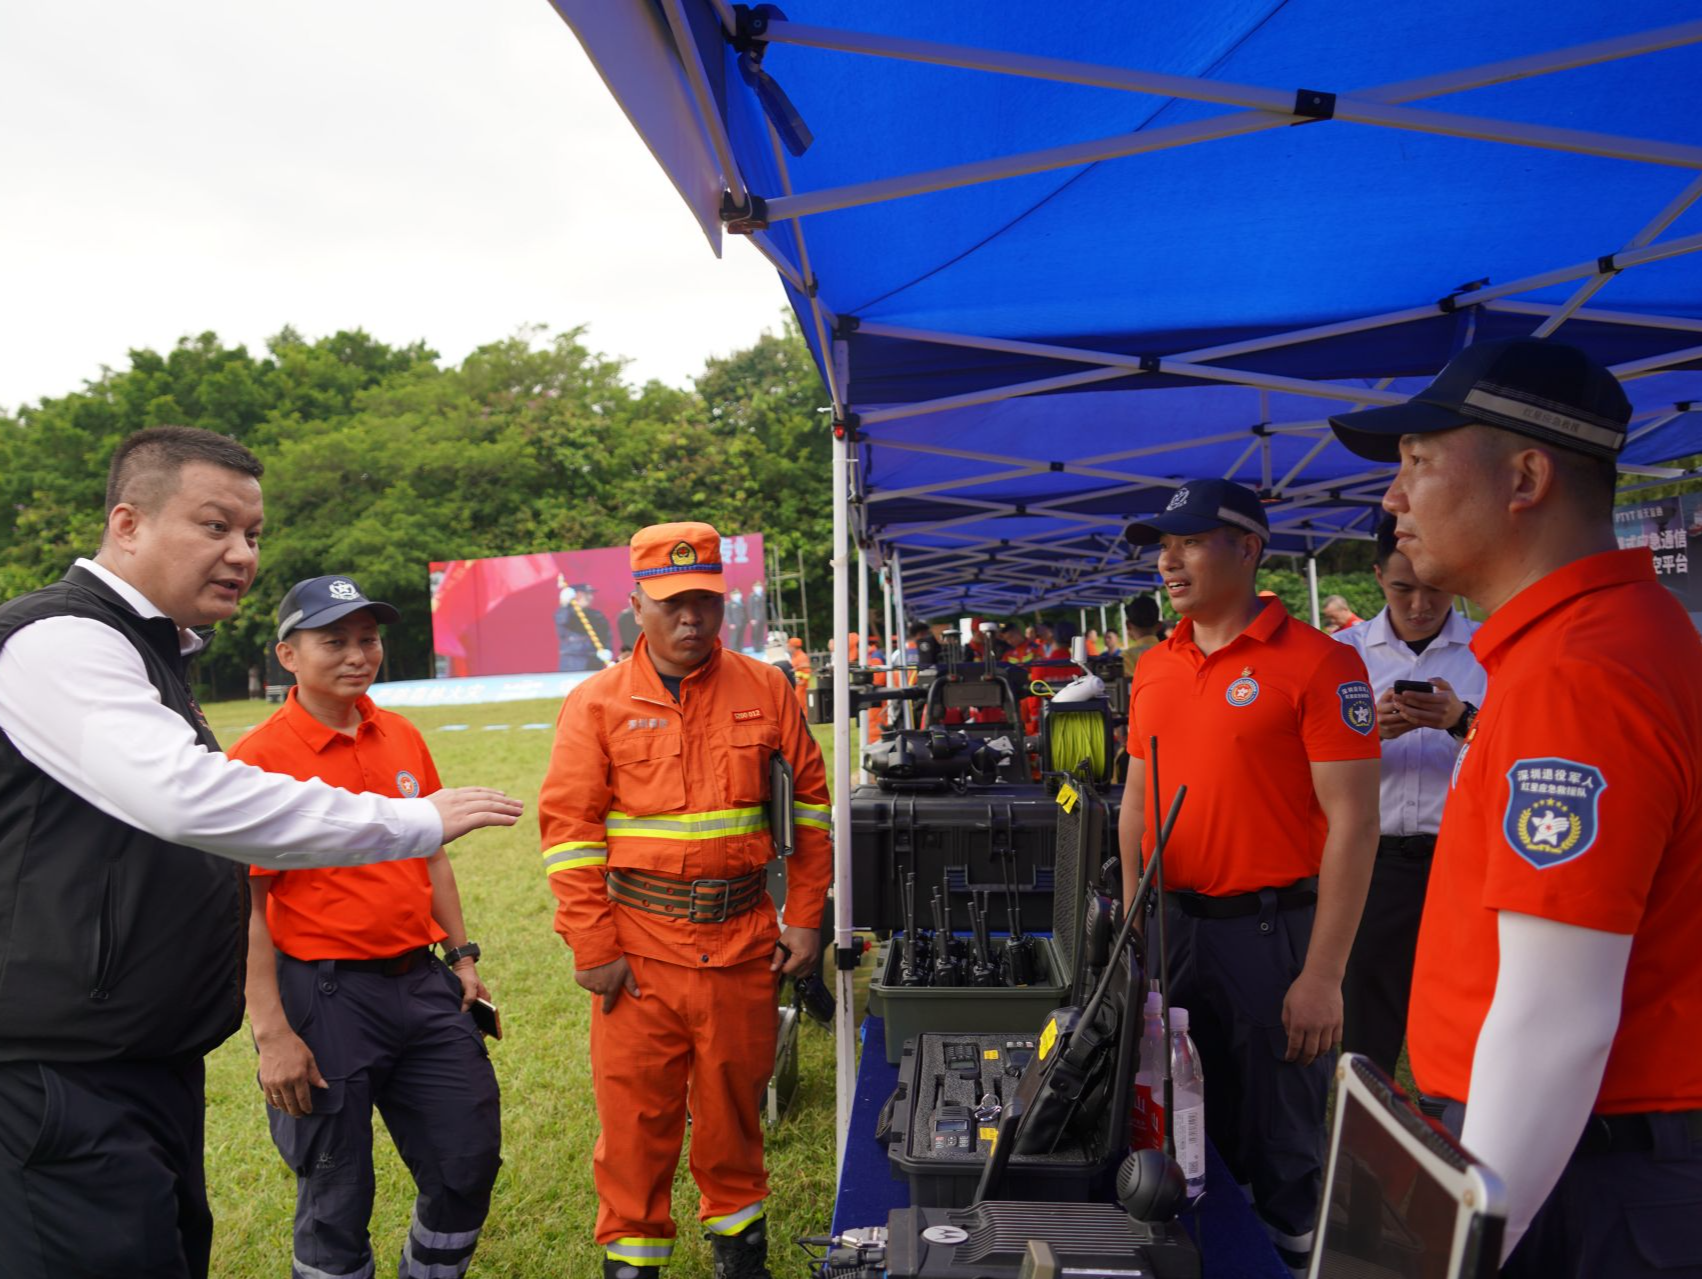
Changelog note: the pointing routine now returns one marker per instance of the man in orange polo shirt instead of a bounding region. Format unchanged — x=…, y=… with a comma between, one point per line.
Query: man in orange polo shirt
x=349, y=1007
x=1271, y=726
x=656, y=837
x=1557, y=992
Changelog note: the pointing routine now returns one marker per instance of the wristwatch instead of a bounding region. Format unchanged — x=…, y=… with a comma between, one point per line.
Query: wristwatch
x=1464, y=724
x=453, y=955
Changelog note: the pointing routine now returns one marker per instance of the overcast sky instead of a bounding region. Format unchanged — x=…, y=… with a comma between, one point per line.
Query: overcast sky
x=438, y=169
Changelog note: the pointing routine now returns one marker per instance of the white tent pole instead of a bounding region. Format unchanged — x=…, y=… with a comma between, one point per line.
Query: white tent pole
x=845, y=992
x=1122, y=78
x=836, y=384
x=1662, y=220
x=1312, y=588
x=1630, y=319
x=887, y=645
x=1273, y=106
x=685, y=44
x=903, y=631
x=1180, y=361
x=862, y=630
x=1655, y=363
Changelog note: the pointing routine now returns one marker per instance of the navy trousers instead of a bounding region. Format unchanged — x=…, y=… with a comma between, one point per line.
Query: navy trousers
x=1631, y=1214
x=101, y=1172
x=1265, y=1115
x=1378, y=984
x=402, y=1044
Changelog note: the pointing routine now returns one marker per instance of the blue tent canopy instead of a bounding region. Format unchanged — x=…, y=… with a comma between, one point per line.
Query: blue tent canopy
x=1053, y=260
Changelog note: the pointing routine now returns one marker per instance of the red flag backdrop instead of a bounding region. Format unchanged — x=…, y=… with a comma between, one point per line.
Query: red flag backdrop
x=567, y=610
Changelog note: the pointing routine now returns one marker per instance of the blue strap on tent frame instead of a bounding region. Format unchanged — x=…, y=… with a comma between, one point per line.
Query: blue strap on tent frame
x=1052, y=260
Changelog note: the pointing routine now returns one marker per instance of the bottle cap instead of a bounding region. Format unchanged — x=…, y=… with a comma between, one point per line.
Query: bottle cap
x=1154, y=1003
x=1178, y=1019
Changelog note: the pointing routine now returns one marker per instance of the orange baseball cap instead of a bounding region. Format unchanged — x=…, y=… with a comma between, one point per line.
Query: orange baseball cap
x=668, y=559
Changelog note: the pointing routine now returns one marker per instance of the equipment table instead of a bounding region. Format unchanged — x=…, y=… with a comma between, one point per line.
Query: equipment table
x=1232, y=1243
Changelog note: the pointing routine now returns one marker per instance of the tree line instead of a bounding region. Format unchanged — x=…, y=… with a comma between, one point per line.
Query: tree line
x=380, y=459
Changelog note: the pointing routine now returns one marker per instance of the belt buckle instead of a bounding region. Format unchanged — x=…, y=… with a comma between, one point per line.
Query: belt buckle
x=718, y=913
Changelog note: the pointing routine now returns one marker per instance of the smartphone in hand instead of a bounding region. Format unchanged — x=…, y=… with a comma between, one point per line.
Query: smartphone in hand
x=1414, y=686
x=486, y=1018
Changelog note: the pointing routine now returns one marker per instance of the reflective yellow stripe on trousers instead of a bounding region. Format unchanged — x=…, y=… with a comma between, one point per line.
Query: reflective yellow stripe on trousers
x=640, y=1252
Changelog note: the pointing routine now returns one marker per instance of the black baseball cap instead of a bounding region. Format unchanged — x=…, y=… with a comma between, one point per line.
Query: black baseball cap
x=319, y=601
x=1198, y=506
x=1537, y=387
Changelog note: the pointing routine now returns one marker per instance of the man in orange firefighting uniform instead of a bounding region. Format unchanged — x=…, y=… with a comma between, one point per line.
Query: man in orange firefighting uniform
x=656, y=838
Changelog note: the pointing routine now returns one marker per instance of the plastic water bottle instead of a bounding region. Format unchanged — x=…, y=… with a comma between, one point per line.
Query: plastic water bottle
x=1146, y=1121
x=1188, y=1090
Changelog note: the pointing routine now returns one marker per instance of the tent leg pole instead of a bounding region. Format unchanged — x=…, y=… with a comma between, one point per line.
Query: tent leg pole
x=845, y=1028
x=862, y=632
x=1312, y=589
x=892, y=662
x=903, y=626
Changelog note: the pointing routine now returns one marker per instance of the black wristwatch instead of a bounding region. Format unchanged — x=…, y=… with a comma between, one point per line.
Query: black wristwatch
x=453, y=955
x=1464, y=724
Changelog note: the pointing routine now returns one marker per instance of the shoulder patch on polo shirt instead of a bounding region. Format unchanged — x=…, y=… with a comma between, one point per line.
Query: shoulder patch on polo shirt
x=1551, y=809
x=1244, y=691
x=1358, y=707
x=407, y=785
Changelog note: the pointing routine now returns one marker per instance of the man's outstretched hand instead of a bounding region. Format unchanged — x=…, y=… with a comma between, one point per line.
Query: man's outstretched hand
x=469, y=808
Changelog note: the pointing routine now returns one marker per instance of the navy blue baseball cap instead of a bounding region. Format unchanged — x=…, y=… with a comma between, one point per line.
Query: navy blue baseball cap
x=1198, y=506
x=1536, y=387
x=319, y=601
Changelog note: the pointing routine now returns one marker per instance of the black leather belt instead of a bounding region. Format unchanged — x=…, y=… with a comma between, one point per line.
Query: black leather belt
x=1617, y=1134
x=395, y=966
x=1200, y=906
x=697, y=901
x=1407, y=845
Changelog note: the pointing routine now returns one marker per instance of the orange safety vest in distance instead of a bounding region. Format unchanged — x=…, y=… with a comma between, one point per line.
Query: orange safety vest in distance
x=637, y=780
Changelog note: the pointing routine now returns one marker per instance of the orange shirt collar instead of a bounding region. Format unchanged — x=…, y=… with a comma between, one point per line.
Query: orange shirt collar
x=316, y=735
x=1562, y=586
x=1262, y=628
x=645, y=681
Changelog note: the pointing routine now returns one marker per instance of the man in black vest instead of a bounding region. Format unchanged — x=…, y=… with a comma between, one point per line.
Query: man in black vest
x=123, y=903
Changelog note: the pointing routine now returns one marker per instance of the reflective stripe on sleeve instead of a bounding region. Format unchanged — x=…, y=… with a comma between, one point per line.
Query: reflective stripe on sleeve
x=640, y=1252
x=727, y=821
x=574, y=855
x=734, y=1222
x=815, y=815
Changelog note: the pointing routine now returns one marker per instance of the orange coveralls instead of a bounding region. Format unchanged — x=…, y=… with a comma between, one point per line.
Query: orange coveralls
x=639, y=781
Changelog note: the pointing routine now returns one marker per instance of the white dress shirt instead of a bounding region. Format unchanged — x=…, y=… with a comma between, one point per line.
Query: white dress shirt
x=1418, y=765
x=76, y=701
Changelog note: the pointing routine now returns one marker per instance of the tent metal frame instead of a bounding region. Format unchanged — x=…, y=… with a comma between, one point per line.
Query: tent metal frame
x=1077, y=560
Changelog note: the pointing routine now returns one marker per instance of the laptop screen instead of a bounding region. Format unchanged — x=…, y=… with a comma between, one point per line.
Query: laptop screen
x=1402, y=1199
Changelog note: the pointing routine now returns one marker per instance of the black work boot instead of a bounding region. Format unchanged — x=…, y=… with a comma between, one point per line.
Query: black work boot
x=741, y=1256
x=613, y=1269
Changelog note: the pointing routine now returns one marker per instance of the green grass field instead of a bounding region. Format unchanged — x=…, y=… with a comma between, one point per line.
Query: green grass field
x=541, y=1217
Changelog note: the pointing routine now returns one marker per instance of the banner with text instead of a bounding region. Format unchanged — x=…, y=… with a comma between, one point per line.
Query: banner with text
x=1671, y=529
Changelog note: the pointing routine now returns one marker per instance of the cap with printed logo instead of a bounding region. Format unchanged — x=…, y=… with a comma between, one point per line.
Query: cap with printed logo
x=1536, y=387
x=1198, y=506
x=669, y=559
x=319, y=601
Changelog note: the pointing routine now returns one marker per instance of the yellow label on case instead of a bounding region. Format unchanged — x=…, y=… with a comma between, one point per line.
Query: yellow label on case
x=1048, y=1039
x=1067, y=797
x=990, y=1054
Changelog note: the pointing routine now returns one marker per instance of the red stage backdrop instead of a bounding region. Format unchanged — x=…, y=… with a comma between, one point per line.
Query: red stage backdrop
x=567, y=610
